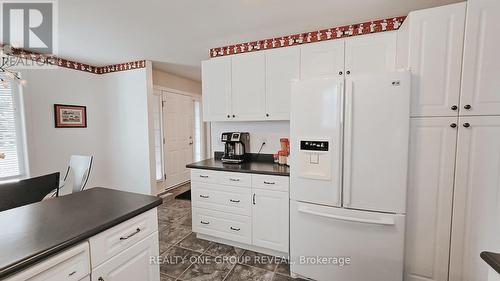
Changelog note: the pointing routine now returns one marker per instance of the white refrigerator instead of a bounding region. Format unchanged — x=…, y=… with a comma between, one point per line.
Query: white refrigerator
x=348, y=176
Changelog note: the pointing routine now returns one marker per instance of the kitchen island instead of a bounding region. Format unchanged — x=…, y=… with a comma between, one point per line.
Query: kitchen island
x=84, y=233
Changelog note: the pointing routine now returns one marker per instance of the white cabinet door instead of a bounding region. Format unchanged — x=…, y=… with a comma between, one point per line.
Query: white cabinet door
x=248, y=98
x=216, y=87
x=480, y=79
x=435, y=59
x=376, y=134
x=476, y=215
x=323, y=59
x=371, y=53
x=430, y=198
x=282, y=65
x=132, y=264
x=270, y=219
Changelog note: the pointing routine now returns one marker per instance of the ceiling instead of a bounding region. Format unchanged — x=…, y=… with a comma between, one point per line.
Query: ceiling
x=177, y=35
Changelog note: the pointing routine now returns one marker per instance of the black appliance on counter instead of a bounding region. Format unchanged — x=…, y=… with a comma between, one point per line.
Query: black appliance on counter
x=236, y=144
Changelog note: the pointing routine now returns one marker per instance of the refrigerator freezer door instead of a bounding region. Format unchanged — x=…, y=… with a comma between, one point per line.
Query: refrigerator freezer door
x=376, y=135
x=316, y=141
x=323, y=238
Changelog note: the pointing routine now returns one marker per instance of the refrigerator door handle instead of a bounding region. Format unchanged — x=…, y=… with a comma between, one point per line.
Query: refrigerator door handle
x=348, y=143
x=382, y=221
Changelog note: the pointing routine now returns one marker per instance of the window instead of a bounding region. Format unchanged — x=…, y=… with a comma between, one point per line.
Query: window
x=12, y=156
x=158, y=137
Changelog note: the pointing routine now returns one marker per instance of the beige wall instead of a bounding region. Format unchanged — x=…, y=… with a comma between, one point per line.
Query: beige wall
x=167, y=80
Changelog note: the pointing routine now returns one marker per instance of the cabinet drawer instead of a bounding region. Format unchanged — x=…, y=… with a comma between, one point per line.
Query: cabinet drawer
x=115, y=240
x=278, y=183
x=221, y=198
x=235, y=179
x=70, y=265
x=223, y=225
x=132, y=264
x=198, y=175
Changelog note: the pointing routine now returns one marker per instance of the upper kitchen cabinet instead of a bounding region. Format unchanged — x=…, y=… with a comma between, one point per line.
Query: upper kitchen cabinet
x=371, y=53
x=248, y=100
x=282, y=66
x=216, y=87
x=323, y=59
x=480, y=79
x=434, y=48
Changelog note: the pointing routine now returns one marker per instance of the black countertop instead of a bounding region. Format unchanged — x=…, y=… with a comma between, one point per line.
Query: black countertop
x=34, y=232
x=493, y=259
x=251, y=166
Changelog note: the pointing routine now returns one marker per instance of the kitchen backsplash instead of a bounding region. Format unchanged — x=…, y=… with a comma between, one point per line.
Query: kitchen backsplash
x=269, y=131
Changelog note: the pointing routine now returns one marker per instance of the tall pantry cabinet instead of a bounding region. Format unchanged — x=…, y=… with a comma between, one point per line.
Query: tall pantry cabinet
x=454, y=183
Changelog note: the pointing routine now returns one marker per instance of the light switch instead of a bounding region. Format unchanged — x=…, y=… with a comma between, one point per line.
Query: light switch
x=314, y=158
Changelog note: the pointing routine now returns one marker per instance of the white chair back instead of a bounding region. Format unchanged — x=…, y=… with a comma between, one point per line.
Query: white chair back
x=80, y=166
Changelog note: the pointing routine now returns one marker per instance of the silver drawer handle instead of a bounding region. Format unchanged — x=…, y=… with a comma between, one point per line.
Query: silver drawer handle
x=204, y=222
x=130, y=235
x=72, y=273
x=204, y=196
x=235, y=229
x=231, y=179
x=269, y=182
x=202, y=176
x=234, y=201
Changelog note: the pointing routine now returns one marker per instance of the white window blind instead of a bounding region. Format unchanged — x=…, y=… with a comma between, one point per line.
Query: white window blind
x=12, y=164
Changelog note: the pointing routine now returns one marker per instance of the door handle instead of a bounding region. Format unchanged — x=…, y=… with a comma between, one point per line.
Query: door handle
x=190, y=143
x=382, y=221
x=130, y=235
x=253, y=200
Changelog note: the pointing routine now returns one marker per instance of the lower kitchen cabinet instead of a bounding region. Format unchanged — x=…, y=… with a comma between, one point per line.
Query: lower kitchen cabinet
x=430, y=198
x=476, y=214
x=132, y=264
x=270, y=219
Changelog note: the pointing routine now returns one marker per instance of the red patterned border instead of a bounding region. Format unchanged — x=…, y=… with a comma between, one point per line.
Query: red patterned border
x=52, y=60
x=311, y=37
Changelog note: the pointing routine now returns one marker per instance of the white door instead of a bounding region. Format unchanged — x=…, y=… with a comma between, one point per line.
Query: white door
x=476, y=213
x=178, y=122
x=371, y=53
x=435, y=59
x=430, y=198
x=282, y=65
x=373, y=243
x=132, y=264
x=376, y=134
x=216, y=87
x=270, y=219
x=248, y=100
x=480, y=83
x=316, y=116
x=323, y=59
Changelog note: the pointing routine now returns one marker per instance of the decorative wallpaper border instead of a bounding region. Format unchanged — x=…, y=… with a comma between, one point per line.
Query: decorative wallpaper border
x=311, y=37
x=52, y=60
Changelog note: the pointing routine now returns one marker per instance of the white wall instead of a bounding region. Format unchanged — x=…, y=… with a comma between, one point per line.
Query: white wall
x=268, y=131
x=117, y=132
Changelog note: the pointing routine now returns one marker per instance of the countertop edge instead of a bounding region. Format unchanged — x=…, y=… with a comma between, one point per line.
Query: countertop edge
x=191, y=166
x=492, y=259
x=21, y=265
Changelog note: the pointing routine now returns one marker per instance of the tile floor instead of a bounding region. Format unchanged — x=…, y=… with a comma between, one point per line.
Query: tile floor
x=185, y=257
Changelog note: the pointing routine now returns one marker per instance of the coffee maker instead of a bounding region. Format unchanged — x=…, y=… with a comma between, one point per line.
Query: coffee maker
x=235, y=146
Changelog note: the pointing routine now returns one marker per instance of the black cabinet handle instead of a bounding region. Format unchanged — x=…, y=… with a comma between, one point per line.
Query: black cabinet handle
x=454, y=107
x=267, y=114
x=100, y=279
x=232, y=179
x=453, y=125
x=228, y=116
x=72, y=273
x=253, y=200
x=234, y=115
x=340, y=73
x=348, y=72
x=234, y=201
x=269, y=182
x=204, y=222
x=466, y=125
x=204, y=196
x=204, y=177
x=235, y=229
x=130, y=235
x=467, y=106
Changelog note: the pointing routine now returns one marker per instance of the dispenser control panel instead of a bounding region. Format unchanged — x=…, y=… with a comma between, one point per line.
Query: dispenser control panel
x=314, y=145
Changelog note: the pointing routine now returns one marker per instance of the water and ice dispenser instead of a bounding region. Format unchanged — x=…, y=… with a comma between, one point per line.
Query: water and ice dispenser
x=314, y=159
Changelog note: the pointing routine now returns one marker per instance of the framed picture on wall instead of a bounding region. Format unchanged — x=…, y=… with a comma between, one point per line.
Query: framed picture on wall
x=70, y=116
